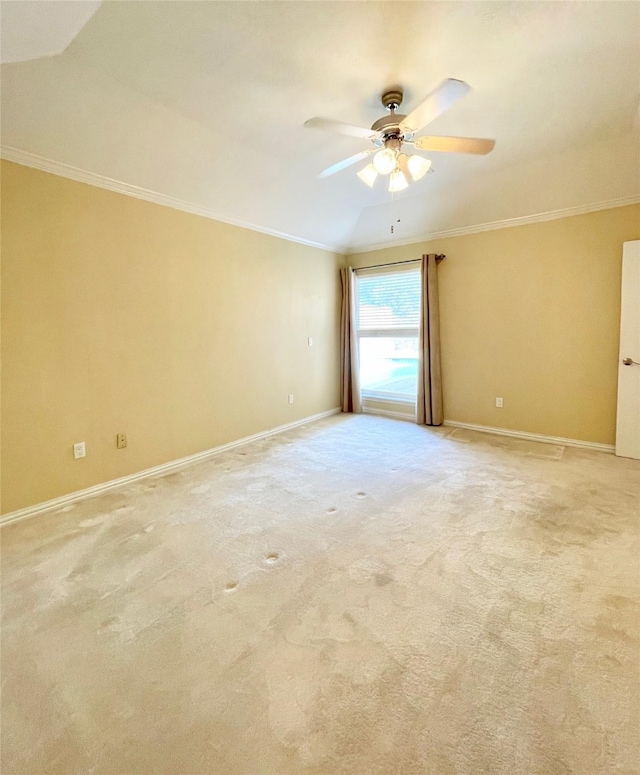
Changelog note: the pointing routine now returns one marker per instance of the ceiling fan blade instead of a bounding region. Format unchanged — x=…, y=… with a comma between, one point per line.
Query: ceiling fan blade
x=340, y=127
x=345, y=163
x=477, y=145
x=440, y=99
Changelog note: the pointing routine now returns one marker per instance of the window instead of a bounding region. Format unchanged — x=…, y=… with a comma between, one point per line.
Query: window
x=387, y=326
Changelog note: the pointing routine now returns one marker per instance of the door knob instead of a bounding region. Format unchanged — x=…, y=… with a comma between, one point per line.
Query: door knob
x=630, y=362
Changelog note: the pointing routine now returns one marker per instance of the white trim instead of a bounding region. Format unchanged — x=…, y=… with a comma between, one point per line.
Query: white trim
x=28, y=159
x=390, y=398
x=522, y=220
x=100, y=181
x=592, y=445
x=389, y=413
x=172, y=465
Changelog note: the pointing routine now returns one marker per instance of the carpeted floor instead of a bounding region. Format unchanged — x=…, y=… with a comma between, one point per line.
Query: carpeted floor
x=359, y=596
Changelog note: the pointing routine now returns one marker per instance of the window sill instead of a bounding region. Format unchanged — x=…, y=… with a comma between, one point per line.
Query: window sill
x=388, y=398
x=400, y=410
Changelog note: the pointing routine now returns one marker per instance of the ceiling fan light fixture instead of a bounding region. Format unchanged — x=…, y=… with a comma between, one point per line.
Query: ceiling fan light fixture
x=385, y=161
x=368, y=175
x=389, y=133
x=418, y=166
x=397, y=181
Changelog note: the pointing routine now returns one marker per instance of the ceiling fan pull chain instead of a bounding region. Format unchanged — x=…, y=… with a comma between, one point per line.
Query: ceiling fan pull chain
x=395, y=210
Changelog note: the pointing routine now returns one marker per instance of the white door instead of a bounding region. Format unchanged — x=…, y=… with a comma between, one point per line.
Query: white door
x=628, y=423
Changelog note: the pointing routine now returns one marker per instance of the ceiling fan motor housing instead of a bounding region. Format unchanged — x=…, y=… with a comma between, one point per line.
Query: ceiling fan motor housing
x=389, y=125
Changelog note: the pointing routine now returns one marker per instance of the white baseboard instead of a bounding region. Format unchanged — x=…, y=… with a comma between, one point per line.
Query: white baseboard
x=592, y=445
x=172, y=465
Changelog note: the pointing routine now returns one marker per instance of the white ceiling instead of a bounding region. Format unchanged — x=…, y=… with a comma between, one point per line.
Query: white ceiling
x=33, y=30
x=205, y=102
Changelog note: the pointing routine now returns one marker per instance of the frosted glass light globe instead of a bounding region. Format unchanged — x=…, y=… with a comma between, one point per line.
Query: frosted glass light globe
x=418, y=166
x=368, y=175
x=397, y=181
x=385, y=161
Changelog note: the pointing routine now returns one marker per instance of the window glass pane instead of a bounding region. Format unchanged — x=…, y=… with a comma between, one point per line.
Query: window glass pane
x=389, y=300
x=389, y=365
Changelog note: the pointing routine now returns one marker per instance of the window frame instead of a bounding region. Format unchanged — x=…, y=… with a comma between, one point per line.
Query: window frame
x=407, y=332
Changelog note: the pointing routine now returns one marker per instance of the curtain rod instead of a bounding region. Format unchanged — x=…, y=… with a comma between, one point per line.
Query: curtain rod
x=439, y=257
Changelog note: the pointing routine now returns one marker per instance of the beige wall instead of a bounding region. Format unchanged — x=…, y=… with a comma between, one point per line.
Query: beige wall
x=532, y=314
x=119, y=315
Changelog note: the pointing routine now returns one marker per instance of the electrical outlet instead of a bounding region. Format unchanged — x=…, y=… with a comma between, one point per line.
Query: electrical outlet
x=499, y=403
x=121, y=440
x=79, y=450
x=290, y=398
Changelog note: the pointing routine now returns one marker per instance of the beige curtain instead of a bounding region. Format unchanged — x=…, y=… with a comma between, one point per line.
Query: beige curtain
x=429, y=410
x=350, y=378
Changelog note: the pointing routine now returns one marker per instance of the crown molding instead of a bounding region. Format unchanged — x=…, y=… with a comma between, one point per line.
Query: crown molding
x=27, y=159
x=522, y=220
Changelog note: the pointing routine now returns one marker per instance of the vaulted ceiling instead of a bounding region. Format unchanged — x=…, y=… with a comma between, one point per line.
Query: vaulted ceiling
x=205, y=102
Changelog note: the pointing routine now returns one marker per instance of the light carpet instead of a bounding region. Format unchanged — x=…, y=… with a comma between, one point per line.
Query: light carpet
x=360, y=595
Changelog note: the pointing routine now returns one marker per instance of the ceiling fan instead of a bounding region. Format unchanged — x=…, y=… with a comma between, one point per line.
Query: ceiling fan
x=390, y=133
